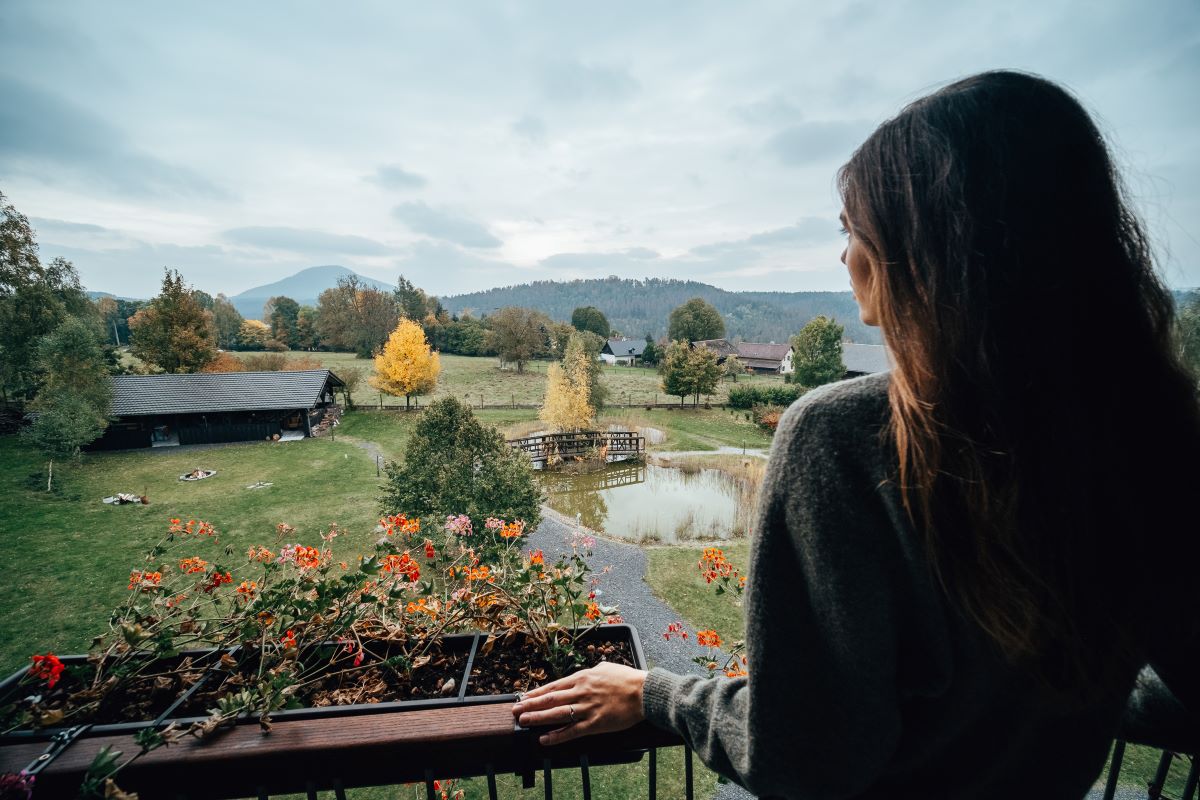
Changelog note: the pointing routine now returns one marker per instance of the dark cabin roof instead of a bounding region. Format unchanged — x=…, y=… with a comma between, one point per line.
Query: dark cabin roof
x=865, y=359
x=762, y=351
x=209, y=392
x=623, y=348
x=721, y=347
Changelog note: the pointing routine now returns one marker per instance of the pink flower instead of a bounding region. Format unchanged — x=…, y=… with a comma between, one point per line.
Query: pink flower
x=460, y=525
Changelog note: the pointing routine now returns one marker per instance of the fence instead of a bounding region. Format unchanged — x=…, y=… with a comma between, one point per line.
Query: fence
x=479, y=403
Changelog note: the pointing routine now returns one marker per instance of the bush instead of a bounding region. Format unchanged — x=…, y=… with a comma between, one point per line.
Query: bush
x=454, y=464
x=767, y=416
x=776, y=395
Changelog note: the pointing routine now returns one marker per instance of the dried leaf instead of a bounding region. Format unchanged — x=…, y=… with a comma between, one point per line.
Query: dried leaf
x=420, y=661
x=448, y=687
x=114, y=792
x=228, y=660
x=488, y=645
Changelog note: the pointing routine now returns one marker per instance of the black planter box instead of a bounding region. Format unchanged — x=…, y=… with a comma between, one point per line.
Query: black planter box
x=468, y=643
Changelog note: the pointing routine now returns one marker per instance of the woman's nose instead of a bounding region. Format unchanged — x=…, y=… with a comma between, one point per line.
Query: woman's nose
x=844, y=251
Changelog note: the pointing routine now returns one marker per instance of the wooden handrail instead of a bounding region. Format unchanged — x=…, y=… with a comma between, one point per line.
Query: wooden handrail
x=367, y=750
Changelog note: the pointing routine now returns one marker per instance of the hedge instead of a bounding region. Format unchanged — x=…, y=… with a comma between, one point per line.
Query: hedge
x=777, y=395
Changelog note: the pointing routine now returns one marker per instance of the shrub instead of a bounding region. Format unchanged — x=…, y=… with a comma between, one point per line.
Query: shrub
x=454, y=464
x=767, y=416
x=778, y=395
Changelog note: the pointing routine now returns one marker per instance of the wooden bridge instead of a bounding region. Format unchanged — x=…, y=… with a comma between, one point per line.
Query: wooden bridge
x=553, y=446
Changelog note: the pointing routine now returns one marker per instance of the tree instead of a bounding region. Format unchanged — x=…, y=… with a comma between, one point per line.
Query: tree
x=519, y=334
x=253, y=335
x=355, y=317
x=225, y=362
x=308, y=335
x=453, y=464
x=696, y=320
x=174, y=332
x=817, y=355
x=584, y=347
x=73, y=402
x=411, y=301
x=689, y=371
x=283, y=315
x=34, y=299
x=732, y=368
x=406, y=366
x=651, y=354
x=228, y=322
x=567, y=406
x=703, y=371
x=590, y=318
x=351, y=377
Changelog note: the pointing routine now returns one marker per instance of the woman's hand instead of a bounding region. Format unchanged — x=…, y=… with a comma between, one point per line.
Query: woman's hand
x=605, y=698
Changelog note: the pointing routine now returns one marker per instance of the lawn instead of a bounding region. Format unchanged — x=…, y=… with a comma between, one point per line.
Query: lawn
x=470, y=378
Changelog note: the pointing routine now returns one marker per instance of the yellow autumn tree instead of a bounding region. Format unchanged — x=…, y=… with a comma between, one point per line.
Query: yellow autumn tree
x=567, y=406
x=406, y=366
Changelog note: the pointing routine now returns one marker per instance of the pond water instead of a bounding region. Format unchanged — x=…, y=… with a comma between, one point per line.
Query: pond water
x=649, y=503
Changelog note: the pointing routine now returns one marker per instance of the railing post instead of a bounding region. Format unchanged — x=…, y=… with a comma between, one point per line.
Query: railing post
x=1110, y=787
x=653, y=773
x=687, y=772
x=587, y=778
x=1160, y=777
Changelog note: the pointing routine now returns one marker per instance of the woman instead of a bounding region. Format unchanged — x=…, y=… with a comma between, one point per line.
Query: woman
x=960, y=565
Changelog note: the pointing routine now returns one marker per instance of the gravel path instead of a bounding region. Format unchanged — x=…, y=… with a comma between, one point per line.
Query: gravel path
x=625, y=586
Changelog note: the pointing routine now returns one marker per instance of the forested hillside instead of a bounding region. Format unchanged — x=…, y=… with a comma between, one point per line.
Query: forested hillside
x=640, y=307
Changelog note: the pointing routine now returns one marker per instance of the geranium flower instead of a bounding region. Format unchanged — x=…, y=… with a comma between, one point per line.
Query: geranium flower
x=47, y=667
x=708, y=638
x=193, y=564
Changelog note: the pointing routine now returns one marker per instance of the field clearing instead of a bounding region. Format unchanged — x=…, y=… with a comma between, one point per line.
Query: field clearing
x=472, y=378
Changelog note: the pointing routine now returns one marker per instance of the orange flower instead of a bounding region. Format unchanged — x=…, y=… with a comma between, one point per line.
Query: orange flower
x=483, y=573
x=215, y=580
x=402, y=564
x=736, y=671
x=512, y=530
x=708, y=638
x=260, y=554
x=144, y=580
x=593, y=611
x=536, y=557
x=401, y=523
x=247, y=590
x=307, y=557
x=193, y=564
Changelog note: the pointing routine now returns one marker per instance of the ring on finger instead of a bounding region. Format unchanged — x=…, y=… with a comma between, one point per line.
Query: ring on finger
x=571, y=709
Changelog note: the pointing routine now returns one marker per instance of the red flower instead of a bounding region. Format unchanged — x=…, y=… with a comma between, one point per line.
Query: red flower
x=47, y=667
x=429, y=551
x=288, y=639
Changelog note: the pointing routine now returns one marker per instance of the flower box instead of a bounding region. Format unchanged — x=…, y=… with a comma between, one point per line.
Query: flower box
x=480, y=673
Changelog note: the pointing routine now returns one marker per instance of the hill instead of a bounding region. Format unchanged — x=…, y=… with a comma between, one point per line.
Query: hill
x=303, y=287
x=640, y=307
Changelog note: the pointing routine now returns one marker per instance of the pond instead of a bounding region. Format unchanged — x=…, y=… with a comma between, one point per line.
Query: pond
x=651, y=503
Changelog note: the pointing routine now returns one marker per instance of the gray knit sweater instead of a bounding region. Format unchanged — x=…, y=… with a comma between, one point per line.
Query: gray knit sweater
x=863, y=682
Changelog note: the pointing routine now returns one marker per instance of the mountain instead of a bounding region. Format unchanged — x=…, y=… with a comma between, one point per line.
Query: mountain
x=303, y=287
x=640, y=307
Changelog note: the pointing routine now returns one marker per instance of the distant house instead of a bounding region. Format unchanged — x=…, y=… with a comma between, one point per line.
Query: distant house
x=766, y=357
x=756, y=356
x=865, y=359
x=722, y=347
x=164, y=410
x=622, y=351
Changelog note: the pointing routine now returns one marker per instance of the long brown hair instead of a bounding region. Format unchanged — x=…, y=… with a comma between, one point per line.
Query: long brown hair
x=1036, y=400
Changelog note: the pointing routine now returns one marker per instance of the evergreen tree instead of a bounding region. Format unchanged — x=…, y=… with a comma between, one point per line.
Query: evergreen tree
x=817, y=355
x=174, y=333
x=650, y=355
x=411, y=301
x=454, y=464
x=696, y=320
x=406, y=366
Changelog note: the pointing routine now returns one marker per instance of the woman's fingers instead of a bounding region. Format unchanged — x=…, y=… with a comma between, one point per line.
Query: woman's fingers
x=540, y=710
x=564, y=734
x=558, y=714
x=552, y=686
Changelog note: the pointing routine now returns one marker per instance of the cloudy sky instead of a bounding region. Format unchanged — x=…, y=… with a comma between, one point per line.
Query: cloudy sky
x=495, y=143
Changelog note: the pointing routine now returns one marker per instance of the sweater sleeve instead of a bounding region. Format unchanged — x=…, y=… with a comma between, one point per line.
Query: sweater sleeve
x=818, y=716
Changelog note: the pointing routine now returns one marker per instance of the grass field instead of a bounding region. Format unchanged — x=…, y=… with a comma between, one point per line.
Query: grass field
x=470, y=377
